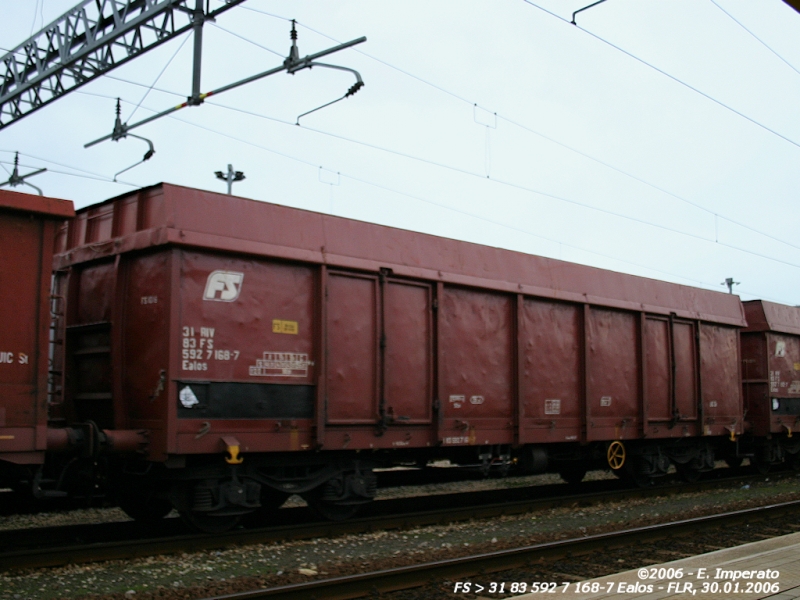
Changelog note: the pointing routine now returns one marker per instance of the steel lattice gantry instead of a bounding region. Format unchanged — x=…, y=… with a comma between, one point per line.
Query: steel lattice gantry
x=88, y=41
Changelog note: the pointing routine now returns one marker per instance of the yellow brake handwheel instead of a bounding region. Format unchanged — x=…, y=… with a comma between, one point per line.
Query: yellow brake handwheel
x=616, y=455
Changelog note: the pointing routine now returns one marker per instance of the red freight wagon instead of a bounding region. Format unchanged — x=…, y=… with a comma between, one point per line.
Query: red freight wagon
x=771, y=380
x=270, y=350
x=28, y=227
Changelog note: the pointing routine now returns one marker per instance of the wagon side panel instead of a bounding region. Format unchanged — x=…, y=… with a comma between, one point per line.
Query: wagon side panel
x=477, y=359
x=719, y=374
x=613, y=395
x=552, y=371
x=245, y=346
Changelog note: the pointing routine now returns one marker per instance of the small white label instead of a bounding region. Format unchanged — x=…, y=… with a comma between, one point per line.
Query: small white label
x=460, y=399
x=459, y=439
x=712, y=404
x=552, y=406
x=281, y=364
x=187, y=397
x=795, y=387
x=605, y=401
x=476, y=399
x=780, y=349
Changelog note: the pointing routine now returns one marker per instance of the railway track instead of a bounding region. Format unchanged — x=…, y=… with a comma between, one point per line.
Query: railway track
x=34, y=548
x=459, y=569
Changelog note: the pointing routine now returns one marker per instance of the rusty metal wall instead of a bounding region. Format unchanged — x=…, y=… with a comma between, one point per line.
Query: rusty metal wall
x=783, y=352
x=771, y=370
x=476, y=367
x=145, y=345
x=552, y=376
x=292, y=330
x=612, y=398
x=27, y=235
x=685, y=351
x=658, y=367
x=352, y=348
x=408, y=356
x=719, y=379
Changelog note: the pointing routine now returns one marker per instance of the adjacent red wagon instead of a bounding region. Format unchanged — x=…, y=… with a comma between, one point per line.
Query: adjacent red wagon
x=269, y=350
x=28, y=226
x=771, y=379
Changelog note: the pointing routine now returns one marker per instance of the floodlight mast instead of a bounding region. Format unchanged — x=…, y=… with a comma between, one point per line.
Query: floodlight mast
x=292, y=64
x=230, y=177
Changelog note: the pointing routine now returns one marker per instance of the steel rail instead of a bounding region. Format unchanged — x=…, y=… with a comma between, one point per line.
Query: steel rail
x=52, y=556
x=389, y=580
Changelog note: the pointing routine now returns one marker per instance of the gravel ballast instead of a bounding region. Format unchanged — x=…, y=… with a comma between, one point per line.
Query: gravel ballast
x=211, y=573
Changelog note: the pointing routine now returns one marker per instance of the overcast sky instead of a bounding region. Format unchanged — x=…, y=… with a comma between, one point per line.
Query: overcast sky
x=657, y=137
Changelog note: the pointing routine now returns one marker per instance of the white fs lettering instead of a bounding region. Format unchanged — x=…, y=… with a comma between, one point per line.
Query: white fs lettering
x=223, y=286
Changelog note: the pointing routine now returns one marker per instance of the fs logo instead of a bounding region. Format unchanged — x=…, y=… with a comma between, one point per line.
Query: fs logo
x=223, y=286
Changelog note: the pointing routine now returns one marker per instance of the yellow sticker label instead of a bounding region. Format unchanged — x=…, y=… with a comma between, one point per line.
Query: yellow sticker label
x=797, y=366
x=279, y=326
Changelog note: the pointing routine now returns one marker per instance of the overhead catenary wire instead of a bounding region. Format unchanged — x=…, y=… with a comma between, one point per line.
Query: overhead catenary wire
x=666, y=74
x=529, y=129
x=80, y=175
x=503, y=182
x=758, y=39
x=83, y=172
x=460, y=211
x=39, y=8
x=262, y=116
x=525, y=188
x=425, y=200
x=514, y=185
x=155, y=81
x=241, y=37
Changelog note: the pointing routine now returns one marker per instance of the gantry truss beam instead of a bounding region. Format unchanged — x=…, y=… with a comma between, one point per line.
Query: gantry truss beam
x=87, y=42
x=795, y=4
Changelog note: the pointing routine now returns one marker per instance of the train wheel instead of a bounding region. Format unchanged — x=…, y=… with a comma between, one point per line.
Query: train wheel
x=572, y=474
x=616, y=455
x=210, y=523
